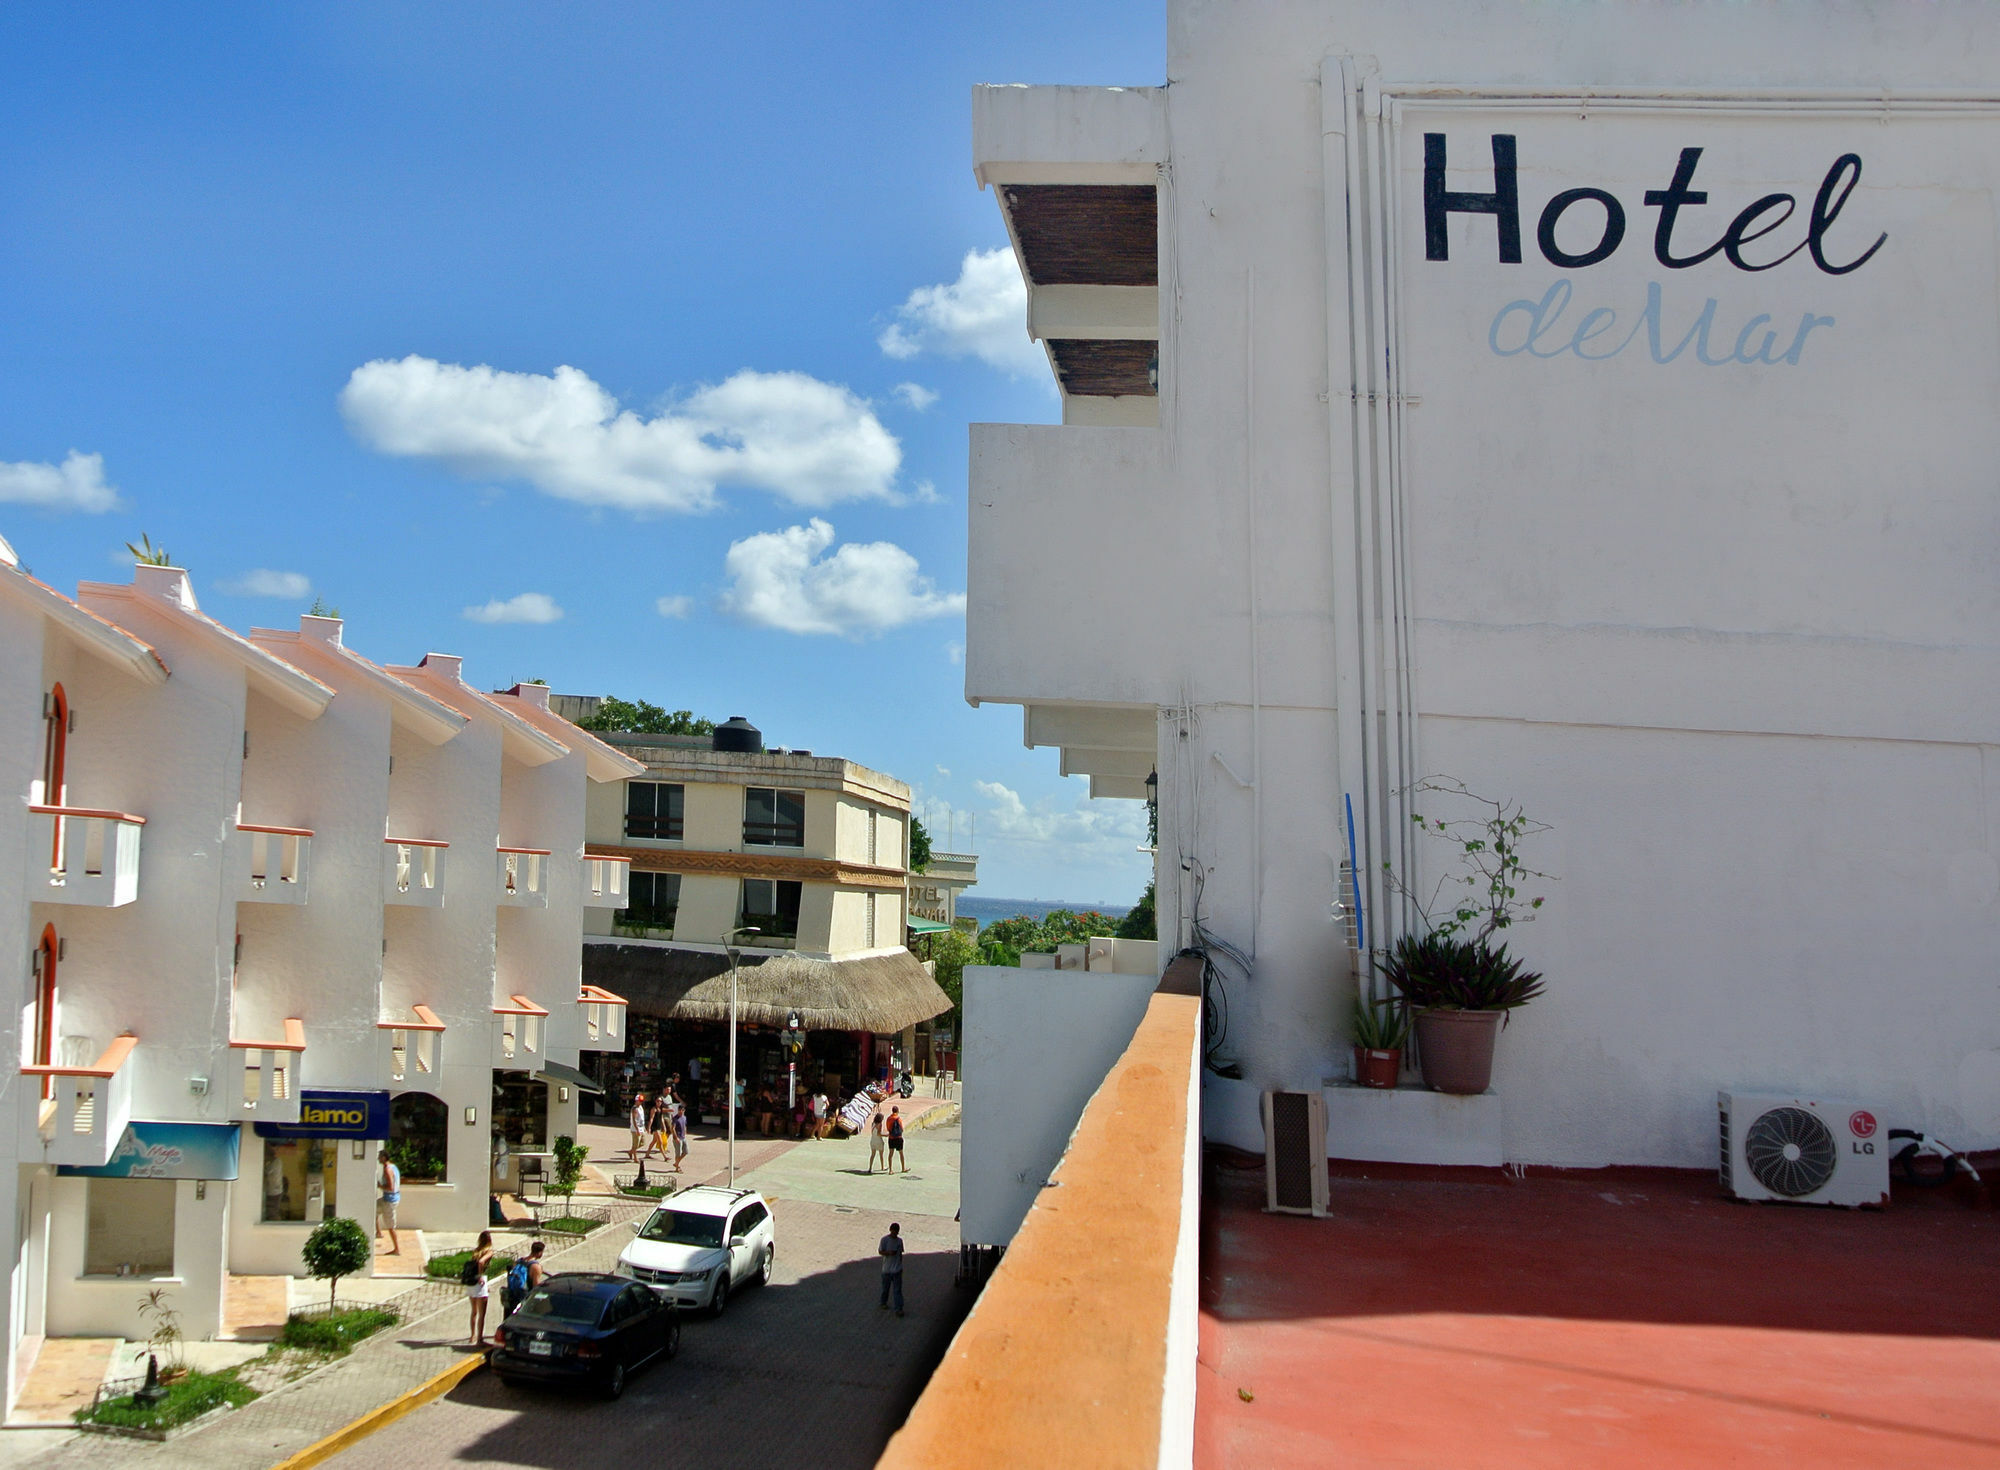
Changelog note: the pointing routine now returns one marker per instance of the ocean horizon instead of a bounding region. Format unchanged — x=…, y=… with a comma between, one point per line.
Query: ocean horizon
x=987, y=910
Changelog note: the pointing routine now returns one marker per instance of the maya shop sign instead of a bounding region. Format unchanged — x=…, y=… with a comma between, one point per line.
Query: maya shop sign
x=327, y=1114
x=1760, y=236
x=168, y=1151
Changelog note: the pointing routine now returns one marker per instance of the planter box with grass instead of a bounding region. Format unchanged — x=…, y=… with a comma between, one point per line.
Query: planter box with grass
x=335, y=1332
x=187, y=1399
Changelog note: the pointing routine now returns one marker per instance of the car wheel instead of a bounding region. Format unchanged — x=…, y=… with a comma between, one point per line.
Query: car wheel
x=672, y=1349
x=614, y=1383
x=720, y=1300
x=764, y=1270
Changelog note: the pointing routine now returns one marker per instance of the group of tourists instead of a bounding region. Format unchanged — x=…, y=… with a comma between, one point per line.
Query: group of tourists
x=523, y=1276
x=804, y=1117
x=885, y=1141
x=661, y=1128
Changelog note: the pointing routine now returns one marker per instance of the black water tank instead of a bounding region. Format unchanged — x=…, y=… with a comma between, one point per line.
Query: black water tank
x=739, y=735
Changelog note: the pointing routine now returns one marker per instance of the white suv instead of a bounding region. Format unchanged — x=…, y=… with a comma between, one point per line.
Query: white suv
x=699, y=1246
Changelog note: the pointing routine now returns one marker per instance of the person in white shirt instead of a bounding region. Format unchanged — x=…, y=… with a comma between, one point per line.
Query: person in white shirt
x=638, y=1123
x=891, y=1252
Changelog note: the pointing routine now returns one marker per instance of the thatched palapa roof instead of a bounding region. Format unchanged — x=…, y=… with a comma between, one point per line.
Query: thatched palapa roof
x=879, y=993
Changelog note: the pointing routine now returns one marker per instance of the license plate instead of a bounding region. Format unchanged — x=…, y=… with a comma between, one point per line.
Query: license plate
x=540, y=1349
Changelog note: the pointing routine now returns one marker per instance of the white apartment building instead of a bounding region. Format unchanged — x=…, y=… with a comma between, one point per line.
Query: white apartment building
x=275, y=906
x=1590, y=403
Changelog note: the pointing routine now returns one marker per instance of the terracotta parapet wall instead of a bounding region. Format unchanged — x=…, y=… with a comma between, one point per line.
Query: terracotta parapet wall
x=1074, y=1354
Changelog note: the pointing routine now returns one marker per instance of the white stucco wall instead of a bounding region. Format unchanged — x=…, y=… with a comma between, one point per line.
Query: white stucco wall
x=1725, y=622
x=1037, y=1043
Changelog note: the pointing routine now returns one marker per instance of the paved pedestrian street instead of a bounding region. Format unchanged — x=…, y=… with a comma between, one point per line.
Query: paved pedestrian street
x=805, y=1372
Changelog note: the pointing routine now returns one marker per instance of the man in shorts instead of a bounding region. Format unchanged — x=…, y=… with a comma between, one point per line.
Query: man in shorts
x=638, y=1124
x=389, y=1179
x=896, y=1141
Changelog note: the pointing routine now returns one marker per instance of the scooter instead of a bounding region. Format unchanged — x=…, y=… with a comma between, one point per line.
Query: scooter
x=906, y=1085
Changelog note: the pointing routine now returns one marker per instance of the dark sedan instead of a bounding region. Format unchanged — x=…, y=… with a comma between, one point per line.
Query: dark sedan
x=585, y=1328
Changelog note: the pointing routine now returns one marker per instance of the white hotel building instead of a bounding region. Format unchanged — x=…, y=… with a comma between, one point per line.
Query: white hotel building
x=1595, y=404
x=272, y=904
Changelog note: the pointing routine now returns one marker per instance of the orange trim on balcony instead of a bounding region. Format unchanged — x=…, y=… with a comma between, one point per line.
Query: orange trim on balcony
x=426, y=1021
x=597, y=995
x=87, y=811
x=522, y=1006
x=295, y=1039
x=105, y=1066
x=274, y=831
x=413, y=842
x=528, y=851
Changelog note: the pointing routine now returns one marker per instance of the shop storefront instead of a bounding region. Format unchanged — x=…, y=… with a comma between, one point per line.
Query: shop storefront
x=303, y=1173
x=698, y=1052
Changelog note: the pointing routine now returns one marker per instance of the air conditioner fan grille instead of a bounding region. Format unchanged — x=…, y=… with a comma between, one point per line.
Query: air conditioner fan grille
x=1790, y=1152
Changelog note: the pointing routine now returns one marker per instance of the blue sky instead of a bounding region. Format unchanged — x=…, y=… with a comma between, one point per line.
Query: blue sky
x=288, y=288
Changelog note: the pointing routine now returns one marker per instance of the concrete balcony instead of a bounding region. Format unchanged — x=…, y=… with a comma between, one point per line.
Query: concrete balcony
x=91, y=856
x=603, y=1019
x=606, y=881
x=270, y=864
x=269, y=1081
x=76, y=1115
x=413, y=872
x=523, y=877
x=519, y=1038
x=414, y=1048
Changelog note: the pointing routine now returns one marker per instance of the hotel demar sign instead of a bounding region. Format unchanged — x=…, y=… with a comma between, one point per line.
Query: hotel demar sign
x=327, y=1114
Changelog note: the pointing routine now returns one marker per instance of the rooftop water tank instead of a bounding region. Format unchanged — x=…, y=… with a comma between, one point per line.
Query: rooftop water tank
x=739, y=735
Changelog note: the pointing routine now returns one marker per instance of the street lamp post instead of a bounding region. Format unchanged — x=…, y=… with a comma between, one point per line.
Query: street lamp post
x=729, y=1095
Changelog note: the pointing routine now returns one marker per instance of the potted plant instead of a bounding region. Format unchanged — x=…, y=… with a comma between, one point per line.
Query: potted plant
x=1381, y=1030
x=1460, y=983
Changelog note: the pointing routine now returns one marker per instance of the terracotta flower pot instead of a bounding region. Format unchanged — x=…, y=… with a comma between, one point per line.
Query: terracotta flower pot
x=1456, y=1049
x=1377, y=1068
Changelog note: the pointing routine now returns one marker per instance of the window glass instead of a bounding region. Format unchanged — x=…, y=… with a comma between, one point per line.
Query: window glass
x=419, y=1128
x=655, y=899
x=654, y=809
x=564, y=1306
x=774, y=818
x=771, y=907
x=751, y=1217
x=683, y=1227
x=131, y=1228
x=299, y=1179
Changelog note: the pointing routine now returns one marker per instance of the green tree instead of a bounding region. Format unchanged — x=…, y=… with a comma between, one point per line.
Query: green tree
x=920, y=844
x=1025, y=934
x=1140, y=922
x=569, y=1157
x=953, y=951
x=321, y=608
x=637, y=717
x=336, y=1248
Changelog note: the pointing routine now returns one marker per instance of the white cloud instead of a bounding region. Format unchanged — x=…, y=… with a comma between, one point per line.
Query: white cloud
x=779, y=579
x=954, y=652
x=75, y=484
x=942, y=771
x=527, y=607
x=813, y=443
x=1087, y=829
x=675, y=607
x=262, y=582
x=982, y=314
x=926, y=493
x=914, y=395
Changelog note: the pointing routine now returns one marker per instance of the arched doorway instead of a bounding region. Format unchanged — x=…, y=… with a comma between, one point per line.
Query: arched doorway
x=419, y=1133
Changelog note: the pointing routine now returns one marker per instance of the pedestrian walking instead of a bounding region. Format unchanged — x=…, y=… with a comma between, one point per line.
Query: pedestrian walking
x=891, y=1252
x=878, y=1142
x=819, y=1109
x=522, y=1277
x=389, y=1180
x=680, y=1126
x=476, y=1293
x=638, y=1123
x=896, y=1140
x=663, y=1127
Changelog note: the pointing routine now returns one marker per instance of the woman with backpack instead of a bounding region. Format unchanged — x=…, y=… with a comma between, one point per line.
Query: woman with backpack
x=474, y=1278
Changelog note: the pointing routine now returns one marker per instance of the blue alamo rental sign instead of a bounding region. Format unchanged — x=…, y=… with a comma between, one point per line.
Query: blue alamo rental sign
x=335, y=1115
x=169, y=1151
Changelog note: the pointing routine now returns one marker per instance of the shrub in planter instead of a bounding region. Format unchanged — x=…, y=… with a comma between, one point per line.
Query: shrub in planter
x=1461, y=991
x=1381, y=1030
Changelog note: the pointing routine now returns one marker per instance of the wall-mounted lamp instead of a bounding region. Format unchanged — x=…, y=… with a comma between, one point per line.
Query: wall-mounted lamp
x=471, y=1117
x=201, y=1189
x=360, y=1149
x=562, y=1094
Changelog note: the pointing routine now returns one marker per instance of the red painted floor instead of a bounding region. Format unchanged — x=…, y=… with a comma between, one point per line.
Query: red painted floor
x=1450, y=1318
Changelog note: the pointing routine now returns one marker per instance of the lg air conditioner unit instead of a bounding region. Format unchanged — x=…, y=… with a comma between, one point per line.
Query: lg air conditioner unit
x=1295, y=1153
x=1807, y=1151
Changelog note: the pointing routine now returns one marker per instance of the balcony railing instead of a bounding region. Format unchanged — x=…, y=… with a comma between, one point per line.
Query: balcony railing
x=271, y=863
x=92, y=856
x=1115, y=1387
x=603, y=1019
x=606, y=881
x=524, y=877
x=774, y=834
x=413, y=871
x=414, y=1046
x=659, y=829
x=270, y=1081
x=518, y=1042
x=77, y=1114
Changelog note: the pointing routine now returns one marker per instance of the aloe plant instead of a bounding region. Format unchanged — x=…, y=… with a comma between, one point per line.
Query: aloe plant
x=1438, y=971
x=1381, y=1025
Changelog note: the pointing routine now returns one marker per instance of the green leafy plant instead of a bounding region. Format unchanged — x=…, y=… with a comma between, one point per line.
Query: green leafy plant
x=145, y=553
x=637, y=717
x=165, y=1337
x=448, y=1266
x=1382, y=1025
x=188, y=1397
x=920, y=845
x=1141, y=921
x=1439, y=972
x=1025, y=934
x=570, y=1225
x=321, y=608
x=336, y=1248
x=1484, y=887
x=569, y=1157
x=414, y=1161
x=335, y=1332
